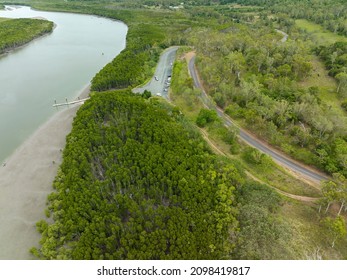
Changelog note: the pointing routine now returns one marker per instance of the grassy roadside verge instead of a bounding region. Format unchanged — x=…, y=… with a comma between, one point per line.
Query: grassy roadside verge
x=182, y=92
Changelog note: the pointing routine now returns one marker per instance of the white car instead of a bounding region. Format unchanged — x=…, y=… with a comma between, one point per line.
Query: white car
x=156, y=78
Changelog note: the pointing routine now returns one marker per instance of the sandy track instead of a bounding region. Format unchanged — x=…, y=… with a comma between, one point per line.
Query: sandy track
x=293, y=196
x=25, y=182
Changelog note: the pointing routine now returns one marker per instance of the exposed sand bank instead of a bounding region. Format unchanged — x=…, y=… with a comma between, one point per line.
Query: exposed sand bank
x=26, y=180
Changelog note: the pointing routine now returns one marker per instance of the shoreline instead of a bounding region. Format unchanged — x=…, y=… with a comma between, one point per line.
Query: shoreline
x=35, y=38
x=26, y=180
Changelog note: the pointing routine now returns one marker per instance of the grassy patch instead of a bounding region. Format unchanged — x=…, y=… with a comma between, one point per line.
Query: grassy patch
x=319, y=34
x=319, y=77
x=327, y=87
x=309, y=237
x=280, y=179
x=276, y=176
x=182, y=92
x=213, y=133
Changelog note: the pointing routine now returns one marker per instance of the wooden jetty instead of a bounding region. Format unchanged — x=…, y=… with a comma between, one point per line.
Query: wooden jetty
x=70, y=103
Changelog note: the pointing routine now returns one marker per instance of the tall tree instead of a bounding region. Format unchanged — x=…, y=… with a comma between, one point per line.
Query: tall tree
x=336, y=229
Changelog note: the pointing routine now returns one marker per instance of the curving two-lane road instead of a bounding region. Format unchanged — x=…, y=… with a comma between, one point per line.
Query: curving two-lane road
x=285, y=161
x=158, y=85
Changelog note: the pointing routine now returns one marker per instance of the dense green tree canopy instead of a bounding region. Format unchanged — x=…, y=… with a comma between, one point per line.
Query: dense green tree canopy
x=261, y=231
x=129, y=67
x=137, y=182
x=17, y=32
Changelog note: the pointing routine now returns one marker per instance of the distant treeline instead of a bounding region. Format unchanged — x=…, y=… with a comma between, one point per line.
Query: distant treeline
x=332, y=14
x=17, y=32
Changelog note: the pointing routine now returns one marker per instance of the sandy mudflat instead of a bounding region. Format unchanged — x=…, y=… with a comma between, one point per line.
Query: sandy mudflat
x=25, y=182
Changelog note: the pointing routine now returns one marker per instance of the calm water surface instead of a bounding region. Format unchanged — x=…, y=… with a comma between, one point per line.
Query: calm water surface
x=54, y=67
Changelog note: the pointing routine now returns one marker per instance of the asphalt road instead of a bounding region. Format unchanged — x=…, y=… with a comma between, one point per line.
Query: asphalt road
x=253, y=141
x=158, y=85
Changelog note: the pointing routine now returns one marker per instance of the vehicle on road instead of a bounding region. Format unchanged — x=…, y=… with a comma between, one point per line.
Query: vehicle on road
x=156, y=78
